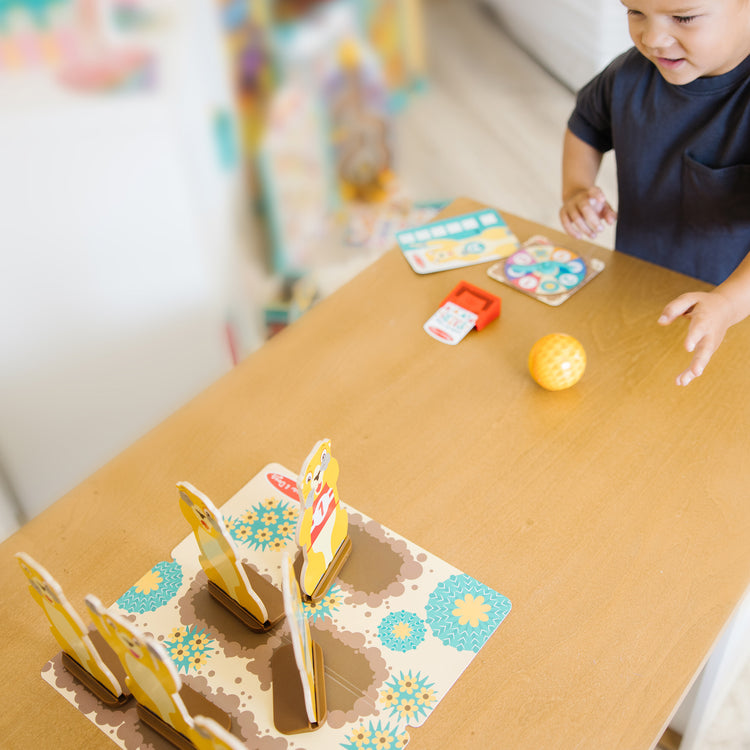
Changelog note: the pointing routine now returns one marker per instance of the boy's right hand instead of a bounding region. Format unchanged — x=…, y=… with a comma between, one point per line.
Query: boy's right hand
x=585, y=213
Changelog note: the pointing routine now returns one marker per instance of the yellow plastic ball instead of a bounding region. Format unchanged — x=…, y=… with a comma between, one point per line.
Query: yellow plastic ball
x=557, y=361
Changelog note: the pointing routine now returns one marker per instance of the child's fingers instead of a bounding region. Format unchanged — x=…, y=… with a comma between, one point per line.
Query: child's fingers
x=676, y=308
x=586, y=213
x=710, y=316
x=601, y=206
x=569, y=226
x=596, y=197
x=685, y=378
x=584, y=228
x=609, y=214
x=703, y=352
x=591, y=215
x=583, y=219
x=698, y=337
x=574, y=223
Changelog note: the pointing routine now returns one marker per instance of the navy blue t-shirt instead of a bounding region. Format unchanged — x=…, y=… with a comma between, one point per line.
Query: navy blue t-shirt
x=683, y=162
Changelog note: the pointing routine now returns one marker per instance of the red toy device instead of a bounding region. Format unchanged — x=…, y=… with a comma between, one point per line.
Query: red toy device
x=483, y=304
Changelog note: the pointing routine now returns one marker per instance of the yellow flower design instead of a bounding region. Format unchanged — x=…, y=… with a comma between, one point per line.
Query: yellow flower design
x=243, y=533
x=178, y=634
x=198, y=642
x=198, y=660
x=407, y=708
x=382, y=739
x=263, y=535
x=148, y=583
x=407, y=685
x=332, y=601
x=289, y=514
x=276, y=545
x=270, y=502
x=471, y=610
x=389, y=697
x=360, y=736
x=426, y=696
x=178, y=651
x=402, y=741
x=286, y=528
x=401, y=630
x=270, y=518
x=314, y=607
x=250, y=516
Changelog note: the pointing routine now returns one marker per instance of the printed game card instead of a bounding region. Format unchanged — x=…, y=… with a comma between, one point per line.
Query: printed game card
x=458, y=241
x=546, y=272
x=450, y=323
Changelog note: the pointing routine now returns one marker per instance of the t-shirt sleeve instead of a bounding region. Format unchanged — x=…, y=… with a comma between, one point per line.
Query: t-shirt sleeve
x=591, y=120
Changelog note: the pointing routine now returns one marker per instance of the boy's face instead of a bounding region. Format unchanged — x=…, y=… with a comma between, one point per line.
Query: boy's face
x=689, y=39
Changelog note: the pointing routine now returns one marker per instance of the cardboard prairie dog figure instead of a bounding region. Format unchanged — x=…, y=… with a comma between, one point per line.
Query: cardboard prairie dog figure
x=153, y=679
x=323, y=525
x=237, y=586
x=71, y=633
x=299, y=690
x=151, y=676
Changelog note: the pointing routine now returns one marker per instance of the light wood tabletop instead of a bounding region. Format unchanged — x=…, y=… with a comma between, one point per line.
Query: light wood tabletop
x=614, y=515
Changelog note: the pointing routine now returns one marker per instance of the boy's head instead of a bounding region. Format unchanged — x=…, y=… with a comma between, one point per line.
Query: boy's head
x=689, y=39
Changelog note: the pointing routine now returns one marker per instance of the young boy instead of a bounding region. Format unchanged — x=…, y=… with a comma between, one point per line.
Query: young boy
x=676, y=111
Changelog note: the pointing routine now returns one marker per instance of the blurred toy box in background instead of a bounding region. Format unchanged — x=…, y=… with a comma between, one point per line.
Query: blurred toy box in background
x=318, y=85
x=86, y=44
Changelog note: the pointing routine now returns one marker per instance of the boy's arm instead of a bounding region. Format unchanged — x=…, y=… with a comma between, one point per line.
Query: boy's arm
x=711, y=314
x=584, y=209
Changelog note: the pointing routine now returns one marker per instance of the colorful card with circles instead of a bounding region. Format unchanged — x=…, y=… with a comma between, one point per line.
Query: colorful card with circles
x=546, y=271
x=396, y=629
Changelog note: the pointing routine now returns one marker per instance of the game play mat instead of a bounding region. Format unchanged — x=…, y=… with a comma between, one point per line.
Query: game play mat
x=397, y=628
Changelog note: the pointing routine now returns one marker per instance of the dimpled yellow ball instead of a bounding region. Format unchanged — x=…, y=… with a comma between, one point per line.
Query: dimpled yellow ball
x=557, y=361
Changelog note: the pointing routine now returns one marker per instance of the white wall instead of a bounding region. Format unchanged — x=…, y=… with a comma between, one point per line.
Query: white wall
x=572, y=39
x=120, y=252
x=9, y=510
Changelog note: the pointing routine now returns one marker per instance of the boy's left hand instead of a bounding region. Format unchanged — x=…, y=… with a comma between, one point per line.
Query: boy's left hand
x=710, y=315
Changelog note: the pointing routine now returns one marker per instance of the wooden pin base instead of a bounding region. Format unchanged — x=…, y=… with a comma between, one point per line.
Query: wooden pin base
x=112, y=662
x=341, y=556
x=289, y=713
x=268, y=593
x=101, y=691
x=196, y=705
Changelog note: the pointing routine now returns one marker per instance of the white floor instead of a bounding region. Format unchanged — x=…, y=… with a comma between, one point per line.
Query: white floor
x=491, y=124
x=490, y=127
x=730, y=730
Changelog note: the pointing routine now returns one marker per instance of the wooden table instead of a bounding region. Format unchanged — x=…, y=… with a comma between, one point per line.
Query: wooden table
x=614, y=515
